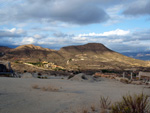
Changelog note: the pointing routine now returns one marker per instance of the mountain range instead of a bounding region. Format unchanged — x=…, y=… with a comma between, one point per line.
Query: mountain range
x=83, y=57
x=139, y=55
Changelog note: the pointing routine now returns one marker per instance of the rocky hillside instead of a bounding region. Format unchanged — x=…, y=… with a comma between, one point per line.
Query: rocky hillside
x=82, y=57
x=4, y=49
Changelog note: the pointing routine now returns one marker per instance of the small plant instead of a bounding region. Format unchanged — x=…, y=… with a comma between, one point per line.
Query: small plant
x=129, y=104
x=45, y=78
x=16, y=61
x=93, y=108
x=39, y=74
x=84, y=110
x=25, y=71
x=35, y=86
x=132, y=104
x=105, y=103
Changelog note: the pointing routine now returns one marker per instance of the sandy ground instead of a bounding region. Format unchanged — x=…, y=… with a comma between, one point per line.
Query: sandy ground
x=18, y=96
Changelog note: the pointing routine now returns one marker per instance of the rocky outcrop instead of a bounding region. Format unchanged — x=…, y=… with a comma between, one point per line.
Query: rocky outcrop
x=5, y=66
x=27, y=75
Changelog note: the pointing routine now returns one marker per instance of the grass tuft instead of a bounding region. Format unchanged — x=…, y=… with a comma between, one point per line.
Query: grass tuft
x=105, y=103
x=44, y=88
x=35, y=86
x=132, y=104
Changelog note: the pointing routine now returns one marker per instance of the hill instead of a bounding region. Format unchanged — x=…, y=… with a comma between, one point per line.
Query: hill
x=83, y=57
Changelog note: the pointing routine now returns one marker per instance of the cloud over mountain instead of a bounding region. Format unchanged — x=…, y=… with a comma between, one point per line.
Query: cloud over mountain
x=70, y=11
x=122, y=25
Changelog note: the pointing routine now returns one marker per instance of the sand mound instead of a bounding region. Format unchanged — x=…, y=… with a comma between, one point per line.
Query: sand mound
x=84, y=77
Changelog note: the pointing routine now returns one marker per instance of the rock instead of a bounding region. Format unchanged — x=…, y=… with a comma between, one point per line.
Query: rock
x=136, y=82
x=118, y=78
x=5, y=66
x=17, y=75
x=83, y=77
x=5, y=69
x=121, y=79
x=35, y=75
x=124, y=80
x=26, y=75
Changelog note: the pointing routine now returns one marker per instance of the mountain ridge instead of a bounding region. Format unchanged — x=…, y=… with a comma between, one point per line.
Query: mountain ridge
x=31, y=46
x=88, y=56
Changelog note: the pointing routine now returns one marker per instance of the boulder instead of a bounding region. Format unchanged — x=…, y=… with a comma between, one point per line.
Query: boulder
x=26, y=75
x=83, y=77
x=5, y=66
x=121, y=79
x=136, y=82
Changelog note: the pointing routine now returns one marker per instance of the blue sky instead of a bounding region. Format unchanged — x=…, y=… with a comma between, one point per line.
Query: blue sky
x=121, y=25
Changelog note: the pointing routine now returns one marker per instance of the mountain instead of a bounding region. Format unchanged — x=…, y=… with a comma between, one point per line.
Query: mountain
x=82, y=57
x=90, y=47
x=31, y=47
x=4, y=49
x=138, y=55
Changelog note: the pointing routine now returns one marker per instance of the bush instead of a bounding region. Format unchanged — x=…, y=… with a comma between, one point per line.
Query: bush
x=132, y=104
x=128, y=104
x=105, y=103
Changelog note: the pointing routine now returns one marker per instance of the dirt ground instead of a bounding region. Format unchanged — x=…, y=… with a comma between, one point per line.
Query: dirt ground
x=32, y=95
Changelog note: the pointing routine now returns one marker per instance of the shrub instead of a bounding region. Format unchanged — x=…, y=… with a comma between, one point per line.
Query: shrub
x=16, y=61
x=35, y=86
x=132, y=104
x=25, y=71
x=105, y=103
x=128, y=104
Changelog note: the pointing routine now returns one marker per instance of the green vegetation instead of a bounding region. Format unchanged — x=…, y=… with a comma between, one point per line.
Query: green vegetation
x=39, y=64
x=59, y=69
x=16, y=61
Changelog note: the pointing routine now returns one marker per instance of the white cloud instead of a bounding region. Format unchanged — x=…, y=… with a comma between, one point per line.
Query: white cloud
x=116, y=40
x=37, y=36
x=15, y=31
x=117, y=32
x=80, y=38
x=28, y=40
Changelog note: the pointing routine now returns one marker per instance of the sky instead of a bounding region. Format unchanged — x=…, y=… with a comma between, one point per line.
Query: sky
x=121, y=25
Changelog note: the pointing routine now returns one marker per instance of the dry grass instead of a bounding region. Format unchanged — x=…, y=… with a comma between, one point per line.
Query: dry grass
x=93, y=108
x=132, y=104
x=45, y=88
x=128, y=104
x=84, y=111
x=35, y=86
x=49, y=88
x=105, y=103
